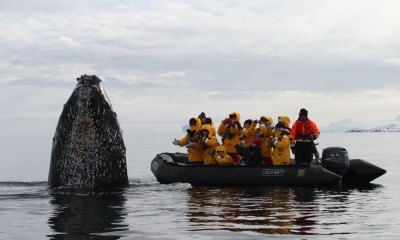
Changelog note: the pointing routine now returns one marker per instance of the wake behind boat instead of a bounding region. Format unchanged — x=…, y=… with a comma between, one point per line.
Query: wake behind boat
x=332, y=169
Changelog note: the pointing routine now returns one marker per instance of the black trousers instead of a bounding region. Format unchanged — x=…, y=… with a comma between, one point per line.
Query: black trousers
x=304, y=152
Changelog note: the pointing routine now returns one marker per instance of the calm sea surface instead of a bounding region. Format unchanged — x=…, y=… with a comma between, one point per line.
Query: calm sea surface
x=149, y=210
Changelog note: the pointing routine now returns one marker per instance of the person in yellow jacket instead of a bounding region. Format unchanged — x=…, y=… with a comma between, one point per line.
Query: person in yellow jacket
x=286, y=121
x=222, y=157
x=281, y=142
x=210, y=122
x=191, y=141
x=248, y=132
x=207, y=120
x=265, y=133
x=229, y=130
x=208, y=143
x=202, y=117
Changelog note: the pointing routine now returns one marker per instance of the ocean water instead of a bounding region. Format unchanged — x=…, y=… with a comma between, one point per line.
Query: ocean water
x=149, y=210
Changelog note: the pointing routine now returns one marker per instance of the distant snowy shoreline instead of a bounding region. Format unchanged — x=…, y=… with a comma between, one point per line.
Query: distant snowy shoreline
x=384, y=128
x=347, y=125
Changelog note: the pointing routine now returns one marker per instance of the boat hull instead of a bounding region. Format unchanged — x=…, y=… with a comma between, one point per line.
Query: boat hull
x=173, y=168
x=361, y=172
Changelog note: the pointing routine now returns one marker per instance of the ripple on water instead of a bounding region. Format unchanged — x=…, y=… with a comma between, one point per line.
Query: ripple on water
x=149, y=210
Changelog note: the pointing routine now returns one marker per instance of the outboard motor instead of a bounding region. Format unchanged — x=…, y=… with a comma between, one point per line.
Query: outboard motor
x=335, y=159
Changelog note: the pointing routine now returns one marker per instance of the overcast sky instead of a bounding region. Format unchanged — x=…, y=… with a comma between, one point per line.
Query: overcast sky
x=165, y=61
x=339, y=59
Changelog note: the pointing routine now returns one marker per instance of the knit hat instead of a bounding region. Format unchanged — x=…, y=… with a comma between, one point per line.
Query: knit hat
x=303, y=112
x=202, y=115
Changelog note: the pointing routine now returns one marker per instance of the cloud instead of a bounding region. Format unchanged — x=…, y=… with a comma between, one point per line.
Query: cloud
x=69, y=42
x=219, y=50
x=288, y=44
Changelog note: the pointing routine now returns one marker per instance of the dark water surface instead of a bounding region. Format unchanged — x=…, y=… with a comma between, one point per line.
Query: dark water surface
x=149, y=210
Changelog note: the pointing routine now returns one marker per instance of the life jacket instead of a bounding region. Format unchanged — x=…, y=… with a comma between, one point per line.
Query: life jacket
x=303, y=130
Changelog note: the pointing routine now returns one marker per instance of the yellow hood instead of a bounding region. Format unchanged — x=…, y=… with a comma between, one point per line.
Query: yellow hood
x=237, y=116
x=211, y=121
x=285, y=119
x=208, y=128
x=198, y=124
x=221, y=148
x=268, y=118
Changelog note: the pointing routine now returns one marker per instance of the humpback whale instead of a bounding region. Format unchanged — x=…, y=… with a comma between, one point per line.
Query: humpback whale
x=88, y=149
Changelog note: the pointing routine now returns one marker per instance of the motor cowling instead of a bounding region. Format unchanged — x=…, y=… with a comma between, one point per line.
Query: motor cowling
x=335, y=159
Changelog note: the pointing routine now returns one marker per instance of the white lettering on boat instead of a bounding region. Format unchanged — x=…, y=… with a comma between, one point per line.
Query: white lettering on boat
x=272, y=172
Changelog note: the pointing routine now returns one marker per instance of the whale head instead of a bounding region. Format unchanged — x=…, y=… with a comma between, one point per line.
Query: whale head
x=88, y=149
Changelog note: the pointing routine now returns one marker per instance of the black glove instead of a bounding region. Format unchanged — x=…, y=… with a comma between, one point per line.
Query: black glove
x=313, y=137
x=190, y=133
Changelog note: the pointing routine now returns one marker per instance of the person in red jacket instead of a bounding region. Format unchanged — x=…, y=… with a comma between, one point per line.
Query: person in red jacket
x=304, y=132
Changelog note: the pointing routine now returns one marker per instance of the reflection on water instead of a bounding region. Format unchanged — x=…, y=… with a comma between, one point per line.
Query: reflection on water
x=87, y=215
x=179, y=211
x=267, y=210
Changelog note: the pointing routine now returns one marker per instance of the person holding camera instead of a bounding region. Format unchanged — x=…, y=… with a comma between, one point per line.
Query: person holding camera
x=248, y=133
x=264, y=131
x=229, y=130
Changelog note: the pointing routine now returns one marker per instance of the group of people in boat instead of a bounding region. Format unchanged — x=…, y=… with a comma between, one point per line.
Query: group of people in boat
x=257, y=142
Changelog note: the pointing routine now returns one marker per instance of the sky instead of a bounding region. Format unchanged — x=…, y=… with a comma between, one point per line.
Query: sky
x=164, y=61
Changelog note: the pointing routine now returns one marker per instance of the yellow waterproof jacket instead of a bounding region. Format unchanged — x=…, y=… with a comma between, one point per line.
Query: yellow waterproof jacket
x=281, y=151
x=213, y=131
x=271, y=121
x=286, y=120
x=195, y=151
x=266, y=136
x=248, y=135
x=225, y=159
x=230, y=135
x=209, y=144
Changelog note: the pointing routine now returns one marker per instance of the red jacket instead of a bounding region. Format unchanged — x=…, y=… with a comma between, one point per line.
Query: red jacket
x=302, y=131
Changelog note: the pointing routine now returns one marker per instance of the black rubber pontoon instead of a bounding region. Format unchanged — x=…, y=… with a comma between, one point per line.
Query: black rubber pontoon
x=334, y=169
x=361, y=172
x=174, y=168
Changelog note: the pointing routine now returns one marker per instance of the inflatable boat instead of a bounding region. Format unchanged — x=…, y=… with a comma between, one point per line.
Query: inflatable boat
x=333, y=169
